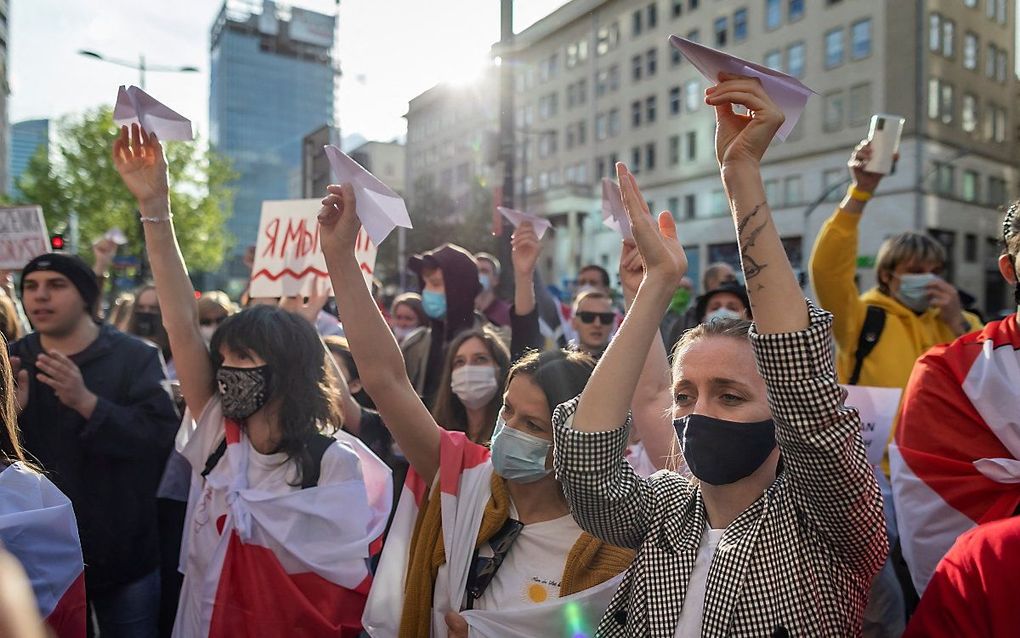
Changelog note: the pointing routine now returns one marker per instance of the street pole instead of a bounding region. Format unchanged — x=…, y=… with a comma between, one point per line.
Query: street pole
x=506, y=127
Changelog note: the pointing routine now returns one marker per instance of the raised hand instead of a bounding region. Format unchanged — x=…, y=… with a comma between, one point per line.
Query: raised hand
x=140, y=161
x=742, y=138
x=338, y=220
x=863, y=179
x=946, y=298
x=104, y=250
x=63, y=375
x=657, y=244
x=526, y=249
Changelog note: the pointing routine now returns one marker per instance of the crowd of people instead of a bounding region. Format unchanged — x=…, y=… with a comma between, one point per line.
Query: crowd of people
x=453, y=463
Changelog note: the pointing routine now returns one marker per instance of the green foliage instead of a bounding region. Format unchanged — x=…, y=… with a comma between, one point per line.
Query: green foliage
x=439, y=219
x=82, y=178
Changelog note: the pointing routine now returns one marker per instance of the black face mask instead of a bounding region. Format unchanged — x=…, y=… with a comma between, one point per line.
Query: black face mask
x=147, y=324
x=242, y=390
x=722, y=452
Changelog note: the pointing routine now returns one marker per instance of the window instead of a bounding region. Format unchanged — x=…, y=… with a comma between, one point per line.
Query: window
x=601, y=83
x=793, y=190
x=601, y=126
x=650, y=156
x=990, y=58
x=970, y=51
x=674, y=100
x=651, y=59
x=635, y=23
x=690, y=206
x=691, y=142
x=860, y=39
x=833, y=48
x=970, y=3
x=740, y=25
x=795, y=10
x=582, y=133
x=607, y=38
x=772, y=192
x=998, y=115
x=614, y=124
x=946, y=103
x=673, y=206
x=653, y=15
x=600, y=166
x=774, y=60
x=1000, y=66
x=833, y=111
x=970, y=244
x=860, y=104
x=830, y=179
x=720, y=28
x=675, y=57
x=795, y=60
x=635, y=159
x=637, y=65
x=635, y=113
x=650, y=108
x=694, y=35
x=773, y=14
x=933, y=98
x=990, y=9
x=674, y=150
x=692, y=95
x=945, y=178
x=935, y=32
x=996, y=191
x=970, y=187
x=677, y=8
x=717, y=205
x=570, y=138
x=948, y=43
x=1000, y=11
x=693, y=4
x=968, y=114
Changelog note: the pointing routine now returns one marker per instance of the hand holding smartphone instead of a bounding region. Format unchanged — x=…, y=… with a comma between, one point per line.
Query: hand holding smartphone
x=884, y=135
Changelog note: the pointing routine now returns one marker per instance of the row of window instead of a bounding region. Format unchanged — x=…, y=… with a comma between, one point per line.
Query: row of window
x=942, y=107
x=942, y=41
x=994, y=9
x=970, y=185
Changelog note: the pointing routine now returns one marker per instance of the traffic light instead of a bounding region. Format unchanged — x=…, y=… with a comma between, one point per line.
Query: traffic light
x=57, y=242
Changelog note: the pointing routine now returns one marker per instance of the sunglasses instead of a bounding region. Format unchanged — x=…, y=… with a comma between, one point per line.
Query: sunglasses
x=484, y=568
x=605, y=318
x=211, y=322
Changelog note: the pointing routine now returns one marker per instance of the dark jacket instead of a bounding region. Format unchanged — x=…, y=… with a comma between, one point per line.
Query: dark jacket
x=109, y=465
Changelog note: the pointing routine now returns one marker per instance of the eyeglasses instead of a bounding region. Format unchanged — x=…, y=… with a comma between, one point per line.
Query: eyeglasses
x=484, y=568
x=605, y=318
x=211, y=322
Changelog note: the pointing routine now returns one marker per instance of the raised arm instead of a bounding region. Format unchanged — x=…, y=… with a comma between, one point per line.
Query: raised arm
x=139, y=159
x=525, y=333
x=375, y=351
x=831, y=481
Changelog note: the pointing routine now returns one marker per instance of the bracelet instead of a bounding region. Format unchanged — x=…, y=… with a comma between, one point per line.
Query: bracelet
x=857, y=194
x=156, y=220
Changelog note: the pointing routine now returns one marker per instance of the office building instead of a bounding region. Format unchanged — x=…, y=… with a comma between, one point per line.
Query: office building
x=316, y=173
x=273, y=78
x=385, y=160
x=600, y=83
x=5, y=89
x=27, y=138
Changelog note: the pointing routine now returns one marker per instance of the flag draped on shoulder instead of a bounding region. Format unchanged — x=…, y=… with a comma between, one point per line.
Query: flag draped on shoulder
x=38, y=527
x=956, y=457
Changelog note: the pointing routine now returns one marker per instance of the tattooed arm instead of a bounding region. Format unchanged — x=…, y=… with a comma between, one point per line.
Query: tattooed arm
x=776, y=298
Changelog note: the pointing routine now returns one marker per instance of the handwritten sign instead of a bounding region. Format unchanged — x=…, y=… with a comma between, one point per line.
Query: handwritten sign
x=288, y=260
x=23, y=236
x=877, y=407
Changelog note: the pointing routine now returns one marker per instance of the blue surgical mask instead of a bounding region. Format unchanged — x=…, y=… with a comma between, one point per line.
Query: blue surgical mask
x=913, y=292
x=721, y=452
x=434, y=303
x=722, y=313
x=485, y=281
x=518, y=456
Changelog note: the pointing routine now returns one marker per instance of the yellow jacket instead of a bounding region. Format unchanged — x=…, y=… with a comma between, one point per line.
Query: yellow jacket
x=906, y=335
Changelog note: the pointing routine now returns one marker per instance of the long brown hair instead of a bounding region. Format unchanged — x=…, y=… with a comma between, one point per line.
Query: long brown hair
x=10, y=444
x=448, y=410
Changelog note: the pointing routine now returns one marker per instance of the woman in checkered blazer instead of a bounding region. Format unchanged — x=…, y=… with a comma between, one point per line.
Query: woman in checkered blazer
x=782, y=532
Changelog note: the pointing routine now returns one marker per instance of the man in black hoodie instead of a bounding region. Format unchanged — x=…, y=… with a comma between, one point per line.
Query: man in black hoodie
x=95, y=411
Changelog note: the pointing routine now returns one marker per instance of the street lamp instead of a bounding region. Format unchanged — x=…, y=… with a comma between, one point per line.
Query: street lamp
x=139, y=66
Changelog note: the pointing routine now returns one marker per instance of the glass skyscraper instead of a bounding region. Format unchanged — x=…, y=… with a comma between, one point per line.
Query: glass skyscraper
x=26, y=139
x=272, y=82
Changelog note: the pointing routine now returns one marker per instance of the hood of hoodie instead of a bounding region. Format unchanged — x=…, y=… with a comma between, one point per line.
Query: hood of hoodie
x=460, y=279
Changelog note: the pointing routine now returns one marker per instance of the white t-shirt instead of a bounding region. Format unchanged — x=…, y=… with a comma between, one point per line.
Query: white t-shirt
x=694, y=602
x=533, y=569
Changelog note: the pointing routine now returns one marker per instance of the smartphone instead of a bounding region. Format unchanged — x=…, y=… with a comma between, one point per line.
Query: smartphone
x=884, y=135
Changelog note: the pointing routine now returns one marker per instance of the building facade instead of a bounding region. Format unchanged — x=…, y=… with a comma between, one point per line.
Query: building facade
x=385, y=160
x=5, y=91
x=599, y=83
x=27, y=138
x=272, y=80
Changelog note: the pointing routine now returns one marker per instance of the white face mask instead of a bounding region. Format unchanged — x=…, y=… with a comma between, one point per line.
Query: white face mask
x=401, y=333
x=722, y=313
x=207, y=333
x=474, y=385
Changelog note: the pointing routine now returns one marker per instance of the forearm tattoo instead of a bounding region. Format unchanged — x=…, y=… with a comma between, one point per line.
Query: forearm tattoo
x=747, y=235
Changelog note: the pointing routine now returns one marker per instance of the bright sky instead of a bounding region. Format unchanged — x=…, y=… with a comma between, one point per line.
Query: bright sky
x=390, y=51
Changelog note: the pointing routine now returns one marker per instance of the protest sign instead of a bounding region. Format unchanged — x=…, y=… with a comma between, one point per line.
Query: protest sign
x=877, y=407
x=288, y=260
x=23, y=236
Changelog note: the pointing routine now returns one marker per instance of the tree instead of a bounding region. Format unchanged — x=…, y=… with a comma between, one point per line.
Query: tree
x=439, y=219
x=82, y=178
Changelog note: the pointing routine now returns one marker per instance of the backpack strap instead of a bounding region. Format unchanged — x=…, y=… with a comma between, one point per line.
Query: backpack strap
x=316, y=445
x=874, y=322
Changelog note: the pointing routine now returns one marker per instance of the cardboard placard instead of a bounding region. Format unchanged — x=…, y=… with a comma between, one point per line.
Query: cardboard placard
x=877, y=407
x=288, y=259
x=23, y=236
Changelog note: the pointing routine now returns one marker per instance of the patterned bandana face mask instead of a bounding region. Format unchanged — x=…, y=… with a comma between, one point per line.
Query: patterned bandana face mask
x=242, y=390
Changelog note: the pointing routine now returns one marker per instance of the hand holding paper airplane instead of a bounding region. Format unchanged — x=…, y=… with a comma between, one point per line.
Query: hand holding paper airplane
x=613, y=214
x=379, y=208
x=518, y=217
x=789, y=93
x=135, y=106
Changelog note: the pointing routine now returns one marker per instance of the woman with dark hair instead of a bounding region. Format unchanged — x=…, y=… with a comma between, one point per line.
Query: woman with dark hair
x=532, y=563
x=469, y=399
x=281, y=514
x=37, y=525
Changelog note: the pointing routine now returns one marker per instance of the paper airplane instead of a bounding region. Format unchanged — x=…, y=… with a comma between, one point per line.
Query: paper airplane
x=614, y=215
x=379, y=208
x=518, y=217
x=135, y=106
x=789, y=93
x=116, y=235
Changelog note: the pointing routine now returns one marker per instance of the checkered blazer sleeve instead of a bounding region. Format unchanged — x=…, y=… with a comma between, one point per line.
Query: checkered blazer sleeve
x=607, y=498
x=830, y=480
